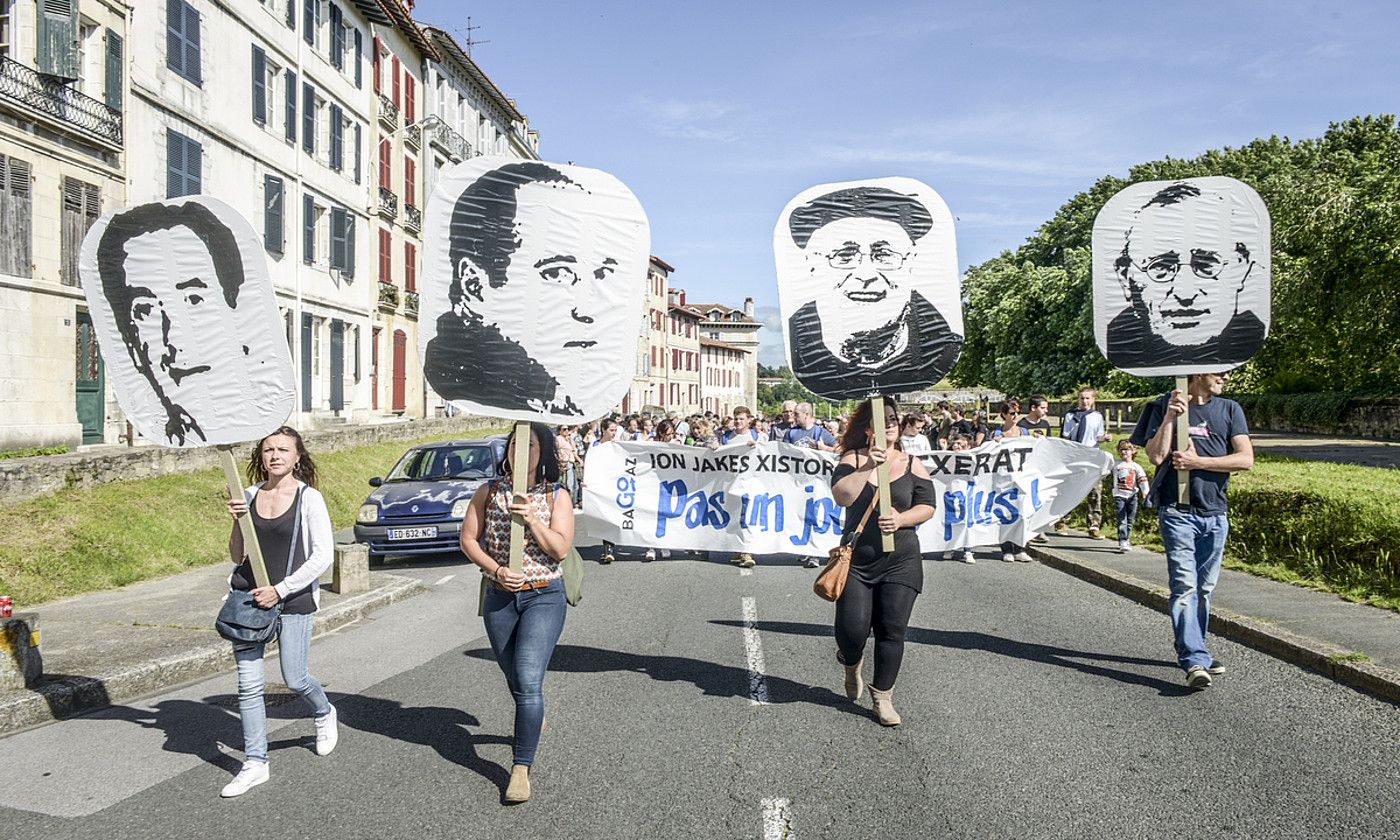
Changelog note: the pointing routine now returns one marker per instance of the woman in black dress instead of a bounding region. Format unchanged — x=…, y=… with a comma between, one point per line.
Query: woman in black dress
x=882, y=586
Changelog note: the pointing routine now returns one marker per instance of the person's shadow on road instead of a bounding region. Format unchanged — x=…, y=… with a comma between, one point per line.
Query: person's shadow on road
x=192, y=727
x=713, y=679
x=1087, y=662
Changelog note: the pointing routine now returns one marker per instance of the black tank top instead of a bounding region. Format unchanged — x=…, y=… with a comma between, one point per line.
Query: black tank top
x=275, y=538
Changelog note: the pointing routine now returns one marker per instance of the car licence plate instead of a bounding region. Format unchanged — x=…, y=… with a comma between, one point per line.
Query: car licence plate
x=413, y=533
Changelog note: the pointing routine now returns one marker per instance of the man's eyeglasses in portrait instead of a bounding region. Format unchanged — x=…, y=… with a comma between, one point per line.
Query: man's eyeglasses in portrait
x=1206, y=265
x=881, y=256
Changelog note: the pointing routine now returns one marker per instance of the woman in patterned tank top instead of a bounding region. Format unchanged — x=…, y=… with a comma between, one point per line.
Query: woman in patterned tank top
x=524, y=611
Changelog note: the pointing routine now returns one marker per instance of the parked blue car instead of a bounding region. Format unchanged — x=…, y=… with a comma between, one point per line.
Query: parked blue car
x=418, y=508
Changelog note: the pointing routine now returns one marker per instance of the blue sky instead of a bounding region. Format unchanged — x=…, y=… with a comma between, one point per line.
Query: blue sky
x=717, y=113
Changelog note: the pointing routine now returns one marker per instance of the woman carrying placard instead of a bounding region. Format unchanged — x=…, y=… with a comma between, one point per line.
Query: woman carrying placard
x=882, y=586
x=294, y=532
x=524, y=610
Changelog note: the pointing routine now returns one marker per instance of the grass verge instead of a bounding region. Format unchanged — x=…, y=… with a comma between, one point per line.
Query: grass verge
x=94, y=538
x=1332, y=527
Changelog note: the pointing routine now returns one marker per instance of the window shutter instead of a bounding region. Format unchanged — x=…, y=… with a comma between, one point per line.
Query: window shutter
x=194, y=166
x=259, y=85
x=358, y=154
x=114, y=71
x=272, y=213
x=308, y=118
x=191, y=43
x=292, y=15
x=337, y=39
x=410, y=267
x=386, y=258
x=308, y=229
x=359, y=60
x=291, y=106
x=174, y=36
x=174, y=164
x=410, y=180
x=57, y=38
x=410, y=110
x=349, y=245
x=386, y=172
x=396, y=81
x=337, y=238
x=337, y=150
x=374, y=60
x=308, y=21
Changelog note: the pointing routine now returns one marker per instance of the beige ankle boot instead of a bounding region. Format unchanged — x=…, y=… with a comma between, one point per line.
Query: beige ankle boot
x=855, y=686
x=519, y=788
x=884, y=707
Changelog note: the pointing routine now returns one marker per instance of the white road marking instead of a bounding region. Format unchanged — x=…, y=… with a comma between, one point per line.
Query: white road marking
x=745, y=572
x=444, y=580
x=777, y=820
x=753, y=649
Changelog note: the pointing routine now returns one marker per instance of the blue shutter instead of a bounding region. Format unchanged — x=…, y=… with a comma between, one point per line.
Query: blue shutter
x=194, y=165
x=349, y=271
x=358, y=153
x=191, y=71
x=338, y=261
x=308, y=229
x=259, y=85
x=291, y=106
x=175, y=35
x=114, y=71
x=306, y=326
x=272, y=213
x=174, y=164
x=359, y=59
x=337, y=151
x=308, y=118
x=292, y=15
x=337, y=39
x=308, y=21
x=56, y=31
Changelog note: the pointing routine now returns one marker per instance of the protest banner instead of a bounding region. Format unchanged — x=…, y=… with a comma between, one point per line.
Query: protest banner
x=185, y=315
x=1181, y=280
x=776, y=498
x=534, y=277
x=869, y=292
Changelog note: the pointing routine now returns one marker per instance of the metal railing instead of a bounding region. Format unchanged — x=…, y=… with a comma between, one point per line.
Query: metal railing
x=454, y=145
x=410, y=304
x=388, y=296
x=388, y=112
x=45, y=96
x=388, y=204
x=413, y=136
x=412, y=218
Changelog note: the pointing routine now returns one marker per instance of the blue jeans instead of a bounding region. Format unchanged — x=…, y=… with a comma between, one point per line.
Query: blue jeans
x=523, y=628
x=1126, y=510
x=294, y=643
x=1194, y=546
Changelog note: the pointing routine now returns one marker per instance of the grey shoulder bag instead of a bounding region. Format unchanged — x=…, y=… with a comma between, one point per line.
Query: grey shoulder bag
x=240, y=619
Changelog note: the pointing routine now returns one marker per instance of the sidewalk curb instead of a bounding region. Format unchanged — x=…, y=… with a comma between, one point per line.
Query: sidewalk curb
x=78, y=694
x=1312, y=654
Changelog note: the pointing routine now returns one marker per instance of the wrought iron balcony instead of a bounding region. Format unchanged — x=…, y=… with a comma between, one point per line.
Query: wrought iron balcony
x=412, y=218
x=413, y=137
x=388, y=296
x=410, y=304
x=388, y=113
x=388, y=204
x=451, y=143
x=36, y=95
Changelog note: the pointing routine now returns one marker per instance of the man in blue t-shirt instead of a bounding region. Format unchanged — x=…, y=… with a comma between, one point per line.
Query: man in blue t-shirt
x=1193, y=533
x=806, y=432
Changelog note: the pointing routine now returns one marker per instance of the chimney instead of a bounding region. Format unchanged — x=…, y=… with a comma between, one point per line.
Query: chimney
x=682, y=297
x=748, y=306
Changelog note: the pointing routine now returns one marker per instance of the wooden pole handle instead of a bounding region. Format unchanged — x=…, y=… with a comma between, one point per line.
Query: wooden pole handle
x=519, y=489
x=245, y=522
x=882, y=472
x=1183, y=440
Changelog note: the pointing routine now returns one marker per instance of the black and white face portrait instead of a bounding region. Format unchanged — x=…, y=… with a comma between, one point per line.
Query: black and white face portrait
x=1181, y=276
x=534, y=273
x=868, y=282
x=185, y=315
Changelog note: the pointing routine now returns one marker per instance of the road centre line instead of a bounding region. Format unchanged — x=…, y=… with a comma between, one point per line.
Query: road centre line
x=753, y=650
x=444, y=580
x=777, y=819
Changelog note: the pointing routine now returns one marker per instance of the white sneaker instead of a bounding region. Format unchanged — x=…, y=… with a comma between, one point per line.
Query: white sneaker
x=968, y=558
x=649, y=556
x=253, y=774
x=1123, y=546
x=1022, y=557
x=327, y=732
x=1007, y=558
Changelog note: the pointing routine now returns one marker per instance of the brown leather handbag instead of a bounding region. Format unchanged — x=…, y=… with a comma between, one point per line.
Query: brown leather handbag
x=831, y=581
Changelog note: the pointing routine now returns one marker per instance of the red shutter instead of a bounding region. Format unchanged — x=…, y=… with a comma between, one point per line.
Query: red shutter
x=409, y=111
x=400, y=369
x=386, y=165
x=386, y=256
x=410, y=178
x=397, y=87
x=410, y=267
x=376, y=64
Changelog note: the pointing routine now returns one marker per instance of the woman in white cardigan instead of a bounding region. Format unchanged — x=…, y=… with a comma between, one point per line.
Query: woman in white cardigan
x=294, y=532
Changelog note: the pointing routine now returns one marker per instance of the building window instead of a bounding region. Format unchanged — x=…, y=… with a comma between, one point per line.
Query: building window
x=410, y=267
x=410, y=110
x=259, y=75
x=273, y=236
x=337, y=138
x=410, y=177
x=184, y=164
x=343, y=241
x=386, y=164
x=386, y=256
x=82, y=204
x=182, y=39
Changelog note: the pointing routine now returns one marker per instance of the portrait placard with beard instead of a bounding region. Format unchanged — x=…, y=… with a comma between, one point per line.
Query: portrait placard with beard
x=868, y=287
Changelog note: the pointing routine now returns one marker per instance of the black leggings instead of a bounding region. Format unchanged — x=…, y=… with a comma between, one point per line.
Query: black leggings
x=885, y=608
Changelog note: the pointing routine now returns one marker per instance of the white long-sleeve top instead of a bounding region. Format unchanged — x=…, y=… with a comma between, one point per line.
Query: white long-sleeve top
x=317, y=540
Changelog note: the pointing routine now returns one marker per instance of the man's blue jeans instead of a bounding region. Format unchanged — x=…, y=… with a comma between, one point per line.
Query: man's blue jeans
x=523, y=628
x=294, y=643
x=1194, y=546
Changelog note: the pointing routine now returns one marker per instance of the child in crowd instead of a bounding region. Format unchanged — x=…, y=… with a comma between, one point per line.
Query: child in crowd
x=960, y=443
x=1129, y=483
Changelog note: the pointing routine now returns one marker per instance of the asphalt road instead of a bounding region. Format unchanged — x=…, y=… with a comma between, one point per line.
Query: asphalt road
x=1035, y=705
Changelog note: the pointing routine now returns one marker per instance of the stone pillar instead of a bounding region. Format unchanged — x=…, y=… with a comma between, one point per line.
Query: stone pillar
x=20, y=663
x=351, y=569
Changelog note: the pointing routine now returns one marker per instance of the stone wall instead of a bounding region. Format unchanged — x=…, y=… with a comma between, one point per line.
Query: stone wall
x=27, y=478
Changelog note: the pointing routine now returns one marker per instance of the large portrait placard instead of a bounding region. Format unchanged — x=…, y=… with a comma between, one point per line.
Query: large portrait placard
x=185, y=314
x=868, y=287
x=1181, y=276
x=534, y=279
